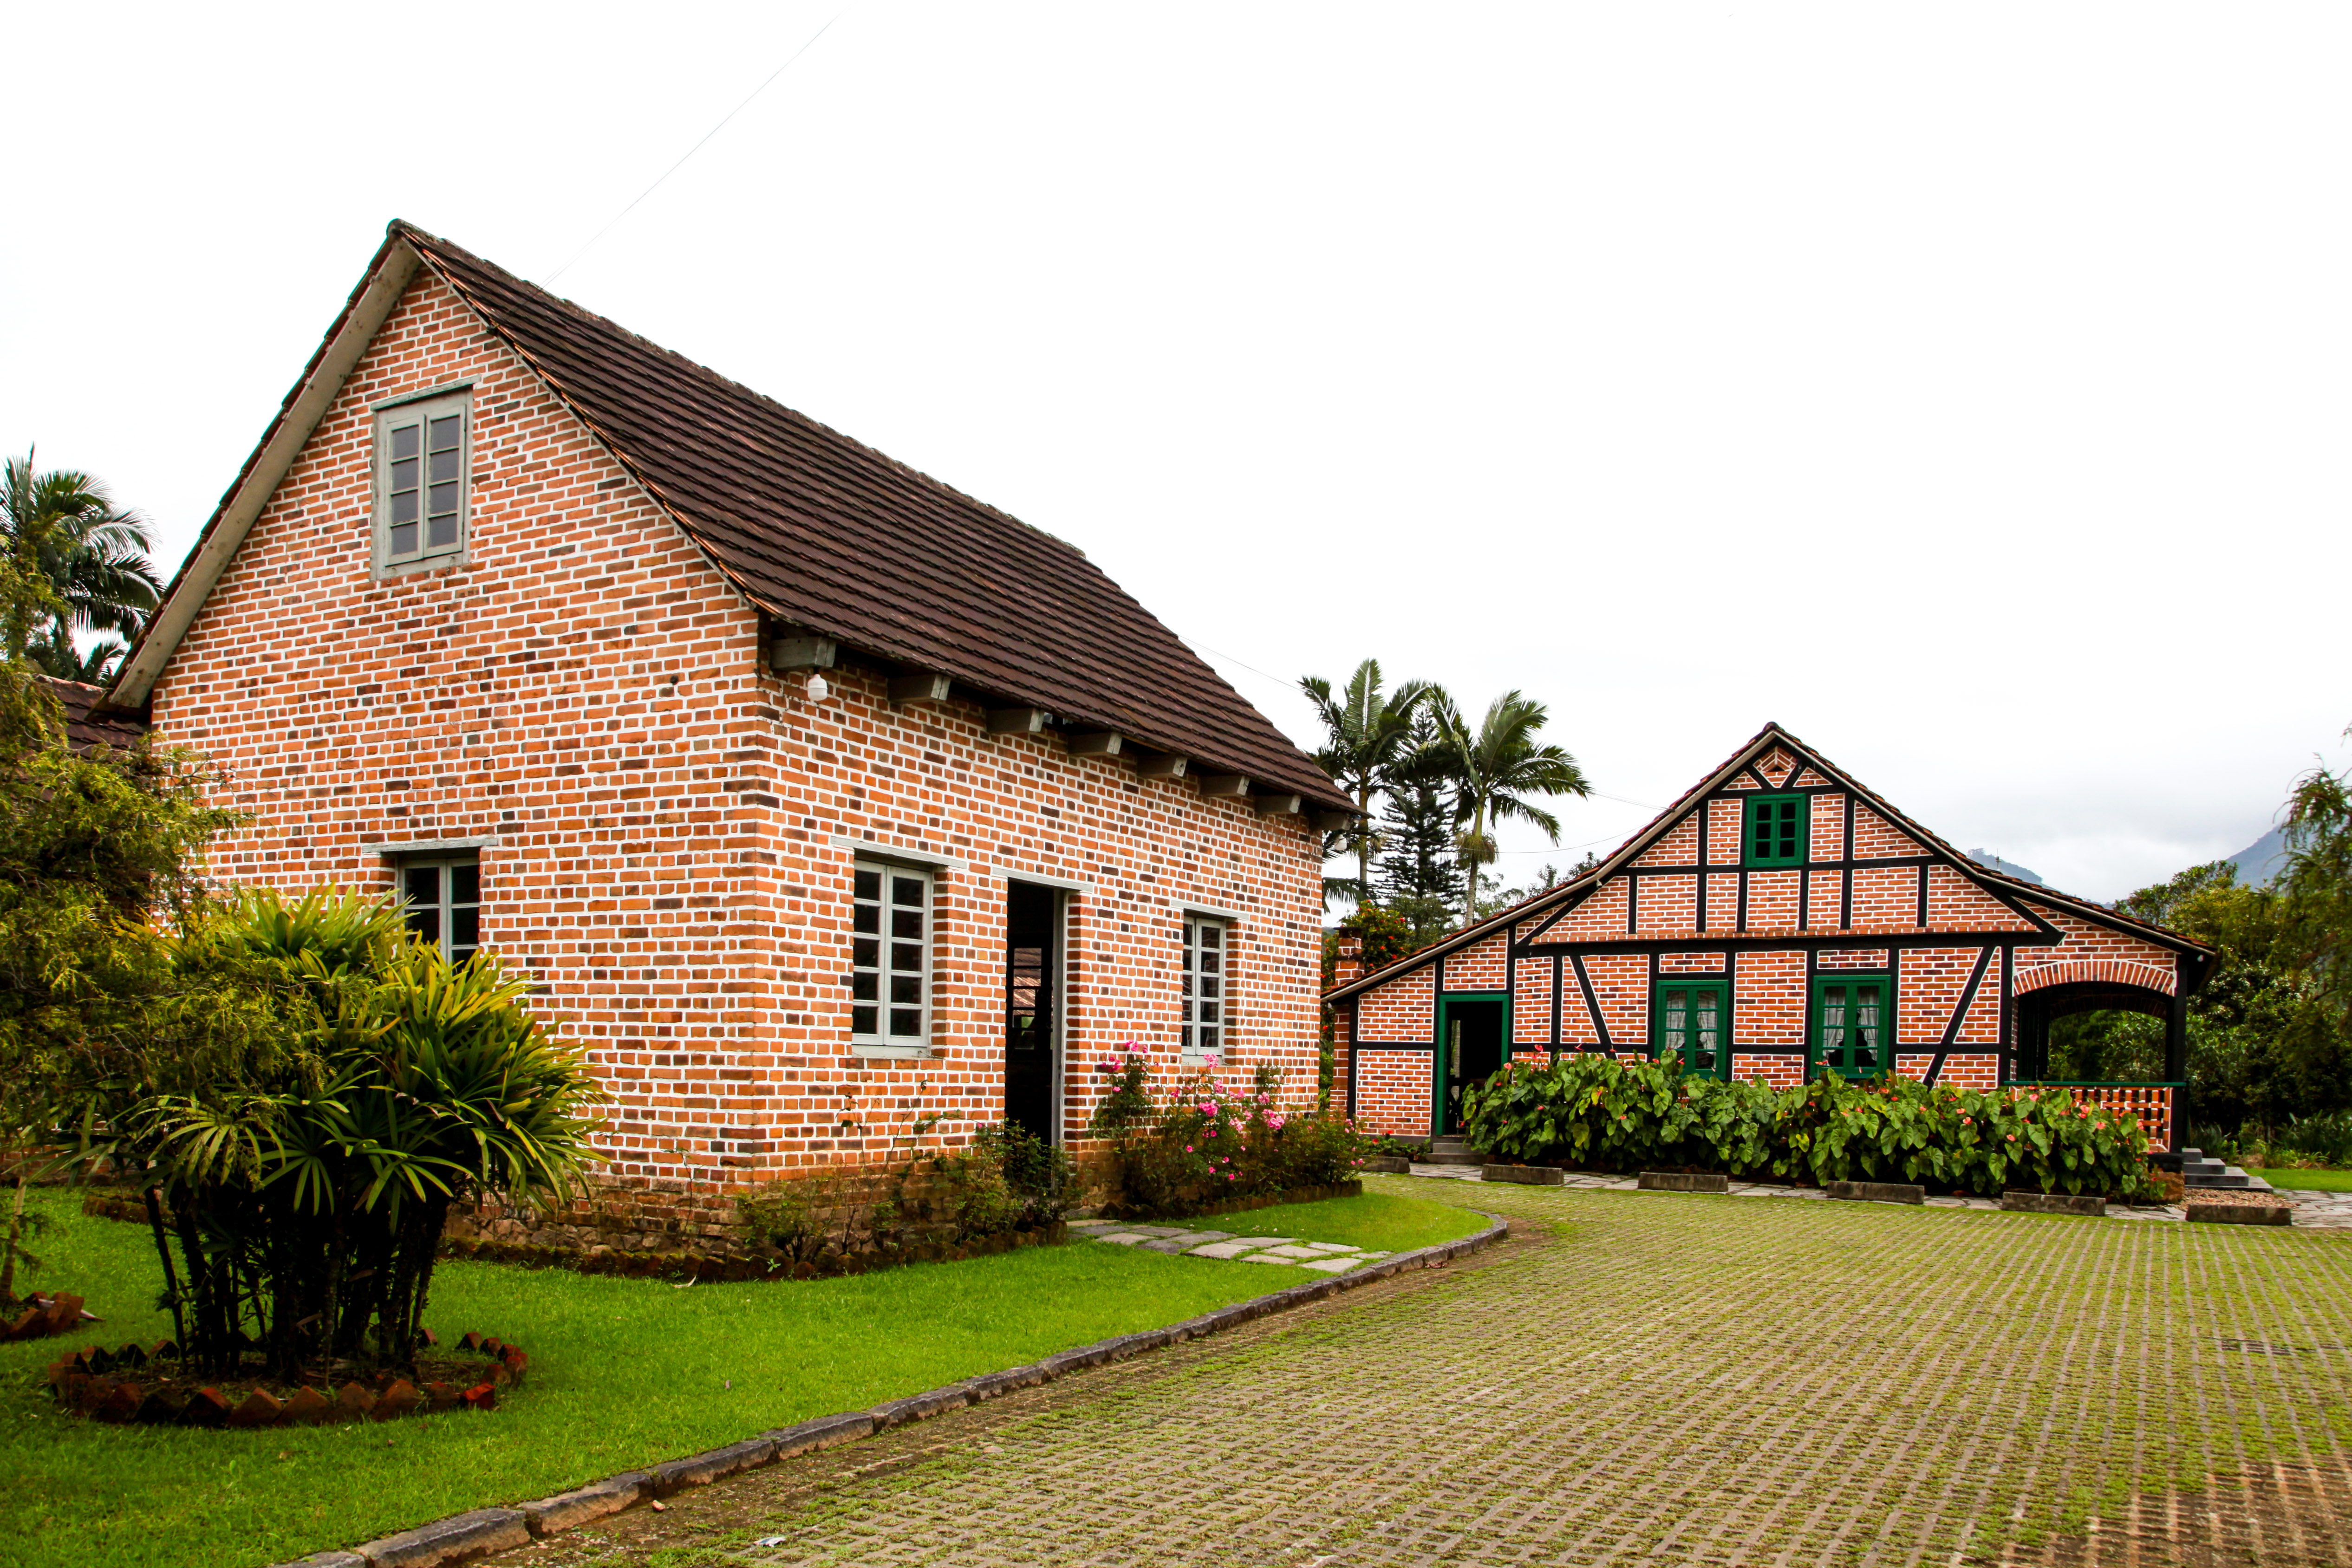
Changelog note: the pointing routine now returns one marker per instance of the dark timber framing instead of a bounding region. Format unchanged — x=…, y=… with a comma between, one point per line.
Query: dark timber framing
x=1549, y=936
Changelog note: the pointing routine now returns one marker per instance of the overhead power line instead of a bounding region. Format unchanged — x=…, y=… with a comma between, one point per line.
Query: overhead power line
x=730, y=114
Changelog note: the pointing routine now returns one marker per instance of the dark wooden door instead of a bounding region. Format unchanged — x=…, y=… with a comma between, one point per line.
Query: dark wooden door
x=1030, y=970
x=1472, y=1052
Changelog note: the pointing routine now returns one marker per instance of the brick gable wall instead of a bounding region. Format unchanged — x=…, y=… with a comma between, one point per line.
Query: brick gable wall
x=588, y=691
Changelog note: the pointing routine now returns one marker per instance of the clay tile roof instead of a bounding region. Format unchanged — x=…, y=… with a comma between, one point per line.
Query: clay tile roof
x=830, y=534
x=83, y=731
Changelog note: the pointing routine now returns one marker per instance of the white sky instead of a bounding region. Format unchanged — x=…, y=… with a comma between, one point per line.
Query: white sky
x=1963, y=387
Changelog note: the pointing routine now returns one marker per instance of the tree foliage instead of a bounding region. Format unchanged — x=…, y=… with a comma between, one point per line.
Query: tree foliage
x=1497, y=772
x=62, y=528
x=1369, y=736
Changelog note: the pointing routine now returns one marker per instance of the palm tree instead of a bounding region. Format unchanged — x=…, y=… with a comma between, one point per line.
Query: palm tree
x=62, y=528
x=1371, y=736
x=1494, y=773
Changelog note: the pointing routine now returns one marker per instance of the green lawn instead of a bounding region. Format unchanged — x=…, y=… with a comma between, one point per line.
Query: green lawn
x=623, y=1373
x=2309, y=1181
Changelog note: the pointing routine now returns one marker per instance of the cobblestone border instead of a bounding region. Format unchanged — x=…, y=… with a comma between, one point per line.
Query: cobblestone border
x=486, y=1530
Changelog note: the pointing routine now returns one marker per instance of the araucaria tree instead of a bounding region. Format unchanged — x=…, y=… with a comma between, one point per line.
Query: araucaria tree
x=1496, y=773
x=1369, y=736
x=94, y=557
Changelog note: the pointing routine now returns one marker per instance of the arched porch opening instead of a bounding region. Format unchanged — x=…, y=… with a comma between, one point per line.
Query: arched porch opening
x=2054, y=991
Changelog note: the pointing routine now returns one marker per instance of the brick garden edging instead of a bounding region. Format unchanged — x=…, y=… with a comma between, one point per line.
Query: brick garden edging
x=486, y=1530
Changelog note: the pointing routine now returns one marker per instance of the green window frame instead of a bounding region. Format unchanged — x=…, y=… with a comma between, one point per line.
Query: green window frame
x=1778, y=829
x=1854, y=1024
x=1690, y=1019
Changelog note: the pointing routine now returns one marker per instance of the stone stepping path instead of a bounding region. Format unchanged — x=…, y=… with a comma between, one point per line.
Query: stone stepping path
x=1285, y=1251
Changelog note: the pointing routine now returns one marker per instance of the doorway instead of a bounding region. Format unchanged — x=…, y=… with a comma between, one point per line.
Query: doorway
x=1472, y=1036
x=1032, y=915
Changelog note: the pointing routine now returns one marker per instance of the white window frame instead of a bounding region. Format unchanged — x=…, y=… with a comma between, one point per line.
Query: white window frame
x=1195, y=1050
x=881, y=1041
x=445, y=916
x=422, y=411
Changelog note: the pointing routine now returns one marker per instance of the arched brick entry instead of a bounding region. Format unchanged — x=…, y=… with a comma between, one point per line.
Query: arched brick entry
x=2094, y=971
x=2045, y=993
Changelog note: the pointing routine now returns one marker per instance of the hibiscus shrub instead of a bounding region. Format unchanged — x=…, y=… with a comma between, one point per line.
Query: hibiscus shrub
x=1201, y=1144
x=1589, y=1110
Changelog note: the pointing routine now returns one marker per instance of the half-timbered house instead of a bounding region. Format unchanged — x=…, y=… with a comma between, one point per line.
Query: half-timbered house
x=1776, y=920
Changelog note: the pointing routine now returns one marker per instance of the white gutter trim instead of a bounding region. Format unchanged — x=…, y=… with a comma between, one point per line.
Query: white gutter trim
x=280, y=448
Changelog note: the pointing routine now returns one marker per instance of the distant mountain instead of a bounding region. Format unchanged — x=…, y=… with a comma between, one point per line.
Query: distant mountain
x=2259, y=863
x=2007, y=868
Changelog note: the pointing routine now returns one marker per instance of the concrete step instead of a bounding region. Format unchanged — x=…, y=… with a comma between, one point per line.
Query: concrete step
x=1452, y=1151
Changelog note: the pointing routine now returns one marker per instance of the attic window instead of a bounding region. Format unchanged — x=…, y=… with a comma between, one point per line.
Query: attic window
x=1776, y=830
x=420, y=466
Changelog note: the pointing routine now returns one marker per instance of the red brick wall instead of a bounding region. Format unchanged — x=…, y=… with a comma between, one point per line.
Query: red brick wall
x=1481, y=967
x=1576, y=1023
x=1531, y=1002
x=589, y=692
x=1955, y=904
x=1679, y=847
x=1768, y=1001
x=1393, y=1092
x=1620, y=983
x=1668, y=904
x=1874, y=838
x=1975, y=1071
x=1827, y=839
x=1779, y=1071
x=2085, y=945
x=1772, y=900
x=1402, y=1010
x=1723, y=828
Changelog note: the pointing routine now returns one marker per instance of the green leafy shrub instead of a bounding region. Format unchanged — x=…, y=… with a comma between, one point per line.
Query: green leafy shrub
x=1203, y=1143
x=318, y=1091
x=1591, y=1110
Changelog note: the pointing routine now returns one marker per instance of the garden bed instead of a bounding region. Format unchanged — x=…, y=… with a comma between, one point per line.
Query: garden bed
x=154, y=1386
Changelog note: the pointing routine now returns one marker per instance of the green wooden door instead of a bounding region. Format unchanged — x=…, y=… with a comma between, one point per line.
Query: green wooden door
x=1690, y=1020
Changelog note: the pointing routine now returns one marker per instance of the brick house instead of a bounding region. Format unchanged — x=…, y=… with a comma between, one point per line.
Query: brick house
x=1776, y=919
x=815, y=795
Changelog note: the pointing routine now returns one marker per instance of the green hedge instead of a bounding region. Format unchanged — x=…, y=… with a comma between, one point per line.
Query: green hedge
x=1600, y=1111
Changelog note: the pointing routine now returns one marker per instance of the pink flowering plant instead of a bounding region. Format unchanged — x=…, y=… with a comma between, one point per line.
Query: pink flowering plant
x=1205, y=1142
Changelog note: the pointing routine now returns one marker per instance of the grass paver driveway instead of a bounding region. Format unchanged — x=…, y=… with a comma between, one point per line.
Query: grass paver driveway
x=1653, y=1378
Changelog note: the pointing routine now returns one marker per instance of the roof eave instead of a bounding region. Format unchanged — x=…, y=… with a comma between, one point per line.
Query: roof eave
x=379, y=290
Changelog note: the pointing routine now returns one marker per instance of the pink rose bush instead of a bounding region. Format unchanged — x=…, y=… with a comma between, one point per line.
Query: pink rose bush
x=1203, y=1141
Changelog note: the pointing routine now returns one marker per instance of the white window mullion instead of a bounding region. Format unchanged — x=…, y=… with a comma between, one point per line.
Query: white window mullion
x=889, y=956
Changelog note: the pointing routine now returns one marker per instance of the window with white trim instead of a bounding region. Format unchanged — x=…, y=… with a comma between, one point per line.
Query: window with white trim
x=1207, y=1013
x=442, y=899
x=889, y=955
x=421, y=452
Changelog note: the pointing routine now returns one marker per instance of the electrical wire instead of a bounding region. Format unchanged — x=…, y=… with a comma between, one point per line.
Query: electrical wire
x=730, y=114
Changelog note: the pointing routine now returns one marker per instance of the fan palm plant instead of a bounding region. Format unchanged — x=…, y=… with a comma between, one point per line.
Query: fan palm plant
x=1496, y=773
x=63, y=529
x=1369, y=736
